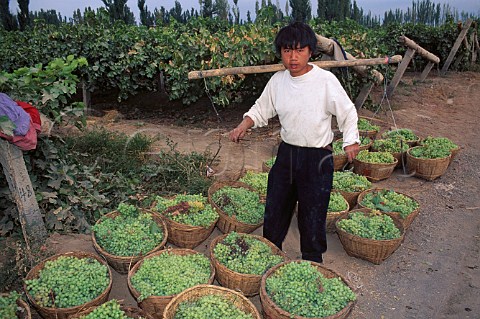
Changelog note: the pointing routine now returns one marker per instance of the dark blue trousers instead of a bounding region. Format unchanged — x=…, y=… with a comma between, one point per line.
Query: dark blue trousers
x=305, y=175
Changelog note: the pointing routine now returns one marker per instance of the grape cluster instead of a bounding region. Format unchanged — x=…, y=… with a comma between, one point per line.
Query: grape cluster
x=295, y=287
x=109, y=310
x=8, y=305
x=393, y=144
x=128, y=235
x=169, y=273
x=374, y=226
x=440, y=142
x=337, y=203
x=258, y=181
x=350, y=182
x=245, y=254
x=365, y=125
x=269, y=163
x=240, y=203
x=429, y=151
x=127, y=210
x=406, y=133
x=68, y=281
x=375, y=157
x=389, y=201
x=211, y=307
x=192, y=210
x=338, y=145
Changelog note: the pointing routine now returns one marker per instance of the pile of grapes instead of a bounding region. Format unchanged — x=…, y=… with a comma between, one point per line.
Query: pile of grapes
x=389, y=201
x=245, y=254
x=374, y=226
x=240, y=203
x=8, y=305
x=169, y=273
x=404, y=133
x=393, y=145
x=350, y=182
x=375, y=157
x=258, y=181
x=296, y=287
x=131, y=233
x=211, y=307
x=68, y=282
x=337, y=203
x=193, y=210
x=109, y=310
x=439, y=142
x=338, y=145
x=365, y=125
x=429, y=151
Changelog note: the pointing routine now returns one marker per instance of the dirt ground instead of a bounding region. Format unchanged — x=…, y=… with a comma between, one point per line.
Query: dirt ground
x=434, y=273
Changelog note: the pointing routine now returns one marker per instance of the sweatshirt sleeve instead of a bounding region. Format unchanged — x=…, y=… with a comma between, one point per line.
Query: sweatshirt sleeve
x=263, y=109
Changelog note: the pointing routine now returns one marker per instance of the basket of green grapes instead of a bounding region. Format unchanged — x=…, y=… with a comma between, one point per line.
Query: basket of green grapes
x=390, y=202
x=64, y=284
x=442, y=143
x=397, y=146
x=124, y=236
x=239, y=206
x=240, y=260
x=428, y=161
x=212, y=302
x=366, y=128
x=12, y=306
x=340, y=158
x=350, y=185
x=337, y=207
x=190, y=219
x=375, y=166
x=299, y=289
x=404, y=133
x=256, y=180
x=369, y=234
x=267, y=165
x=156, y=279
x=112, y=309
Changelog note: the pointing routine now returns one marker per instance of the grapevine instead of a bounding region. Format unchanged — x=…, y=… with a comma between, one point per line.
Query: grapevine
x=168, y=274
x=68, y=281
x=187, y=209
x=294, y=287
x=350, y=182
x=376, y=226
x=8, y=305
x=389, y=201
x=211, y=307
x=375, y=157
x=241, y=203
x=258, y=181
x=245, y=254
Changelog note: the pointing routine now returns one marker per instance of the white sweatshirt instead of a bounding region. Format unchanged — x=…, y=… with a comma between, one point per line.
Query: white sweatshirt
x=305, y=105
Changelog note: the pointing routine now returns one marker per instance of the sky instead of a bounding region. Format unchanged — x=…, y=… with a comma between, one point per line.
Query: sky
x=377, y=7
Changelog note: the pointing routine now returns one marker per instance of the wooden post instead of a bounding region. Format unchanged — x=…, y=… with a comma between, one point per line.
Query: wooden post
x=362, y=96
x=427, y=70
x=87, y=99
x=432, y=58
x=33, y=227
x=456, y=46
x=401, y=69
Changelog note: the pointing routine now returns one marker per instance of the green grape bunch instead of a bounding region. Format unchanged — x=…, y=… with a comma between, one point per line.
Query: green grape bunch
x=338, y=145
x=374, y=226
x=405, y=133
x=439, y=142
x=193, y=210
x=375, y=157
x=245, y=254
x=429, y=151
x=258, y=181
x=241, y=203
x=211, y=307
x=337, y=203
x=8, y=305
x=393, y=144
x=350, y=182
x=365, y=125
x=108, y=310
x=389, y=201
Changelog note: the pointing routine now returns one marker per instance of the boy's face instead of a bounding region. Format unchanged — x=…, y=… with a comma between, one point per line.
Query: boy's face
x=296, y=60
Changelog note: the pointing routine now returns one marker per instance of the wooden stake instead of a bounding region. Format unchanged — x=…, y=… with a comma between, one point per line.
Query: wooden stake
x=456, y=46
x=419, y=50
x=427, y=70
x=193, y=75
x=401, y=69
x=362, y=96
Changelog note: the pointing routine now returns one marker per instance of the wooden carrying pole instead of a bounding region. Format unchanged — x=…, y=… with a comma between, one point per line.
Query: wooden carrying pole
x=194, y=75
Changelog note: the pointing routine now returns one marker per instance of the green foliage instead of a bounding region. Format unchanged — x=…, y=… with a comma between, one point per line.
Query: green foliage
x=257, y=181
x=389, y=201
x=350, y=182
x=191, y=210
x=68, y=281
x=337, y=203
x=405, y=133
x=8, y=305
x=212, y=307
x=107, y=310
x=374, y=226
x=240, y=203
x=245, y=254
x=128, y=234
x=375, y=157
x=294, y=287
x=169, y=274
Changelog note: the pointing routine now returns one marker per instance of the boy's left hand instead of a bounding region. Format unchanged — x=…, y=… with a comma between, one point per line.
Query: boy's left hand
x=352, y=151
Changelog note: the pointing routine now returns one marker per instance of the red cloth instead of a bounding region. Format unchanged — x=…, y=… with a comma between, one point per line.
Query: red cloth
x=34, y=114
x=24, y=142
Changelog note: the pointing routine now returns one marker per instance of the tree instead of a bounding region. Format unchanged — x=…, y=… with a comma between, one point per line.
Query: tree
x=8, y=21
x=321, y=9
x=207, y=9
x=23, y=16
x=119, y=10
x=176, y=12
x=146, y=17
x=301, y=10
x=222, y=8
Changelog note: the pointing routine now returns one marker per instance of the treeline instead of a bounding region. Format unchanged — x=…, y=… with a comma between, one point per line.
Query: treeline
x=421, y=12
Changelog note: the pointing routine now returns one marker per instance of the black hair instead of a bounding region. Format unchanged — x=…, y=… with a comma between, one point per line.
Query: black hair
x=294, y=34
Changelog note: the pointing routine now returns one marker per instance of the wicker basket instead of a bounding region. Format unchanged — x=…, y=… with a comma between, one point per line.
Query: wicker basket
x=332, y=217
x=374, y=172
x=368, y=133
x=406, y=222
x=272, y=311
x=426, y=168
x=375, y=251
x=155, y=305
x=339, y=161
x=247, y=284
x=227, y=223
x=64, y=313
x=351, y=197
x=196, y=292
x=23, y=311
x=131, y=312
x=187, y=236
x=454, y=153
x=122, y=264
